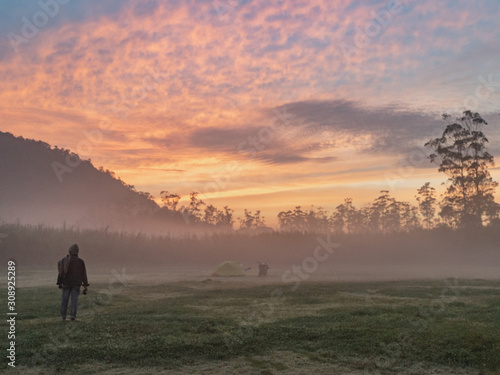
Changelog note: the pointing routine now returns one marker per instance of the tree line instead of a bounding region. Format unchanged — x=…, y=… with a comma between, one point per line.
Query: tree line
x=468, y=201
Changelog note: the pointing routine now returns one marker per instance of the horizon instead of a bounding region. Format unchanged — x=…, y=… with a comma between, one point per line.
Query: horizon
x=253, y=105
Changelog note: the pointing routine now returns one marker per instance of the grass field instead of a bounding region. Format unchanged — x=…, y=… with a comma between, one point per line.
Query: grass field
x=209, y=326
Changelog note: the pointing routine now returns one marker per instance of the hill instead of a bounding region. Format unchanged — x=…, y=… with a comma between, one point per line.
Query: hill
x=44, y=184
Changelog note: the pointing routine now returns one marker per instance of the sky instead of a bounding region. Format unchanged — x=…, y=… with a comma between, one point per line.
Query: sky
x=254, y=104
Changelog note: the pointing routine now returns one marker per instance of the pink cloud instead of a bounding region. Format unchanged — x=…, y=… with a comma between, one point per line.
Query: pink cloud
x=167, y=71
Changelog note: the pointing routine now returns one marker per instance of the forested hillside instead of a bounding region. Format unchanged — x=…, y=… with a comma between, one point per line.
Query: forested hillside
x=41, y=184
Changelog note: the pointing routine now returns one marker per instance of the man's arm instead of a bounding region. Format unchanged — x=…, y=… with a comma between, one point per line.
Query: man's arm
x=85, y=281
x=59, y=281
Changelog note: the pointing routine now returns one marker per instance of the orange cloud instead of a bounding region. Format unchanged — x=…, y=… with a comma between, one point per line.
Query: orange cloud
x=161, y=73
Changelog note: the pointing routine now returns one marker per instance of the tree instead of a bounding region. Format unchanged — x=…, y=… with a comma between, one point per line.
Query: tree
x=285, y=220
x=382, y=213
x=387, y=215
x=312, y=221
x=214, y=216
x=170, y=200
x=317, y=220
x=346, y=218
x=195, y=205
x=426, y=198
x=461, y=153
x=340, y=217
x=252, y=221
x=295, y=221
x=210, y=215
x=409, y=217
x=225, y=218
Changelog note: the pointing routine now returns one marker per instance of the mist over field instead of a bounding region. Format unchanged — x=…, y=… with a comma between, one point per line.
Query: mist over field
x=292, y=257
x=117, y=226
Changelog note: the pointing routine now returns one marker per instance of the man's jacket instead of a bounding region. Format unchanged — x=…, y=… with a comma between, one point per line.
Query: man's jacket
x=72, y=272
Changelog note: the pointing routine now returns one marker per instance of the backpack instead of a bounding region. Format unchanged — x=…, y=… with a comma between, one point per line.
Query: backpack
x=62, y=268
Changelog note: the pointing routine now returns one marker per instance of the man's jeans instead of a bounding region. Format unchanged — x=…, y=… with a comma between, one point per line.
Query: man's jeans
x=66, y=292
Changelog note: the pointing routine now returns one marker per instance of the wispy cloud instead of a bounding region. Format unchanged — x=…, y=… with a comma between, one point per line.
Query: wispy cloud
x=184, y=87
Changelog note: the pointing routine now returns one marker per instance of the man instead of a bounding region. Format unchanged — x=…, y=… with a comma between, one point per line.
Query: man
x=263, y=267
x=72, y=275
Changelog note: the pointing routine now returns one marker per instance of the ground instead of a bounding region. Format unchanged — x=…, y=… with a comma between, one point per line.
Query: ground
x=191, y=323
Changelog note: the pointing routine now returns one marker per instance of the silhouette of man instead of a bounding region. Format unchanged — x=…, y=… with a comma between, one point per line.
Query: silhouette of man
x=263, y=267
x=72, y=275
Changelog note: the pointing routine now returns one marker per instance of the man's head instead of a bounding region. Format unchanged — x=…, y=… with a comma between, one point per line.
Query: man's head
x=73, y=250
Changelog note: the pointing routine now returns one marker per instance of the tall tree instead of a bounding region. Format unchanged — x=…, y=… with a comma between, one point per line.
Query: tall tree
x=383, y=213
x=346, y=218
x=317, y=220
x=409, y=217
x=339, y=217
x=426, y=198
x=294, y=221
x=461, y=154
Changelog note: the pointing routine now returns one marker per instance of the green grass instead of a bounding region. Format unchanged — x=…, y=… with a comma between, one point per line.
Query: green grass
x=419, y=327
